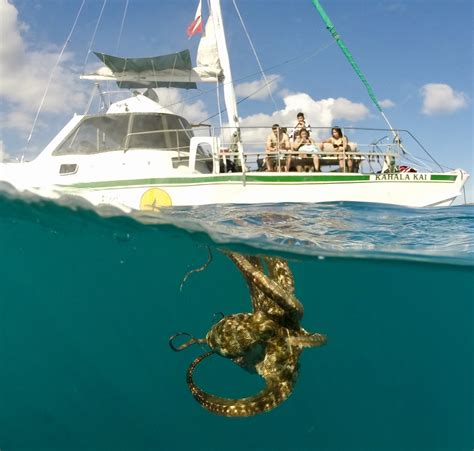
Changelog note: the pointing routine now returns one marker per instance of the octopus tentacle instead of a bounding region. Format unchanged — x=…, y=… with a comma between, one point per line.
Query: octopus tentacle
x=268, y=341
x=186, y=344
x=258, y=298
x=308, y=341
x=255, y=261
x=216, y=315
x=281, y=273
x=267, y=399
x=260, y=301
x=201, y=268
x=271, y=289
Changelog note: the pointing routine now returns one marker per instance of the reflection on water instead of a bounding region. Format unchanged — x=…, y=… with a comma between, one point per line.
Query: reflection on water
x=338, y=229
x=268, y=341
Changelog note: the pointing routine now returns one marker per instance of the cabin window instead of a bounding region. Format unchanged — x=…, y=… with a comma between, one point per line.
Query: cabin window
x=127, y=131
x=159, y=131
x=96, y=134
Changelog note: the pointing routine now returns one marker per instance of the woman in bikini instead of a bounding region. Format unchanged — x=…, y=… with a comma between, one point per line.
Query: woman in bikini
x=340, y=146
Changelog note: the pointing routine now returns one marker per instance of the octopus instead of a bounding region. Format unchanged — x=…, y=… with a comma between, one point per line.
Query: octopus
x=268, y=341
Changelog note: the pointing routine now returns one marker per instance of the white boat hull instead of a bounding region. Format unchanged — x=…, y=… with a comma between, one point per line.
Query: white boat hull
x=413, y=189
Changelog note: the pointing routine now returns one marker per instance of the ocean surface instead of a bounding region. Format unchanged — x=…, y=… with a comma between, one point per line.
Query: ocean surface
x=89, y=299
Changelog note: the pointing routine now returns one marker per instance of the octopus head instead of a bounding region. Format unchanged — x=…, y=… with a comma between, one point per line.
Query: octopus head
x=240, y=334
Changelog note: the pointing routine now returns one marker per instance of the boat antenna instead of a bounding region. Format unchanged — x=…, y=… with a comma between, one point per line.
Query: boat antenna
x=332, y=29
x=52, y=73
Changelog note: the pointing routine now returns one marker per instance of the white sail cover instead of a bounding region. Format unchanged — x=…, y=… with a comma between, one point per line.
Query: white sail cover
x=207, y=60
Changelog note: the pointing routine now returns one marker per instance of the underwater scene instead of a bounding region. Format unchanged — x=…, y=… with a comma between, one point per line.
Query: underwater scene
x=273, y=327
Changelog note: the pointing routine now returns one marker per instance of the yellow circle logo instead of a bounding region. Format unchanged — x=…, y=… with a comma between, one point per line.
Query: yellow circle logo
x=154, y=198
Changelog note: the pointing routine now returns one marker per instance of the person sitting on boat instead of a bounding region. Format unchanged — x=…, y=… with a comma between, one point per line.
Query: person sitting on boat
x=304, y=148
x=277, y=141
x=338, y=144
x=301, y=123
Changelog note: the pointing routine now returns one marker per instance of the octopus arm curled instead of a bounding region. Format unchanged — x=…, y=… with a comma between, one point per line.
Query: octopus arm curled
x=281, y=273
x=271, y=289
x=275, y=392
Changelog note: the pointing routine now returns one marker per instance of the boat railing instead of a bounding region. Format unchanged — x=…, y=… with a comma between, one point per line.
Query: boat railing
x=370, y=152
x=375, y=149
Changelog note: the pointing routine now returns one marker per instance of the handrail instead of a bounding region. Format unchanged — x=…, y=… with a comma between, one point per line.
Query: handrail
x=254, y=143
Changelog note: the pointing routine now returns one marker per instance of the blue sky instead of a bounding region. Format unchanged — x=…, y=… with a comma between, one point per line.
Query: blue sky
x=417, y=55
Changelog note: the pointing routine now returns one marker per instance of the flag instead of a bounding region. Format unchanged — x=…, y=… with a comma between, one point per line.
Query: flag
x=196, y=25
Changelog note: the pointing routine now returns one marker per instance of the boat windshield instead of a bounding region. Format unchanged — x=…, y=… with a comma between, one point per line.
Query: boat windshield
x=111, y=132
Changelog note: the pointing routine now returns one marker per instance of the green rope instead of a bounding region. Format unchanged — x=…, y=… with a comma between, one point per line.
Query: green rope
x=345, y=50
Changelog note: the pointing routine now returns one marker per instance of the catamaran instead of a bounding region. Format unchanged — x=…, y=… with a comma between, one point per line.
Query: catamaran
x=136, y=154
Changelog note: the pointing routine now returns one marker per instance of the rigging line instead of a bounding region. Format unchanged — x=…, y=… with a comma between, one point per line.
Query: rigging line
x=262, y=87
x=93, y=34
x=240, y=101
x=255, y=54
x=91, y=98
x=121, y=27
x=417, y=161
x=306, y=56
x=52, y=72
x=424, y=149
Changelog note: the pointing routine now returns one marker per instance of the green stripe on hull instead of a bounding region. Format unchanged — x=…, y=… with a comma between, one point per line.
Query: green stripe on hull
x=247, y=179
x=444, y=178
x=307, y=178
x=223, y=179
x=157, y=181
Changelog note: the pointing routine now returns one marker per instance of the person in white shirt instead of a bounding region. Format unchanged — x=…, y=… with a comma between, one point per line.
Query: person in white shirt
x=303, y=148
x=299, y=125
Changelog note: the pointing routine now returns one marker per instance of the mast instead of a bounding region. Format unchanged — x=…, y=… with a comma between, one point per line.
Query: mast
x=229, y=93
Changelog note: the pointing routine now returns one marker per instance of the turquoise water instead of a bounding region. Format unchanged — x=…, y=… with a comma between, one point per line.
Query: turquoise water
x=87, y=304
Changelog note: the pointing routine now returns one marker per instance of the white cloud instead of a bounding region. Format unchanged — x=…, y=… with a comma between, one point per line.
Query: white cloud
x=342, y=108
x=319, y=113
x=387, y=103
x=21, y=121
x=24, y=74
x=258, y=89
x=174, y=100
x=440, y=98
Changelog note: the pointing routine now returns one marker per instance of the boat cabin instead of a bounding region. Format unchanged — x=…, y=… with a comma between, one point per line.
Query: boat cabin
x=137, y=132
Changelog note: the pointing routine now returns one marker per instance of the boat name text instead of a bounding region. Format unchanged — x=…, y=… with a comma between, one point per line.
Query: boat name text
x=403, y=177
